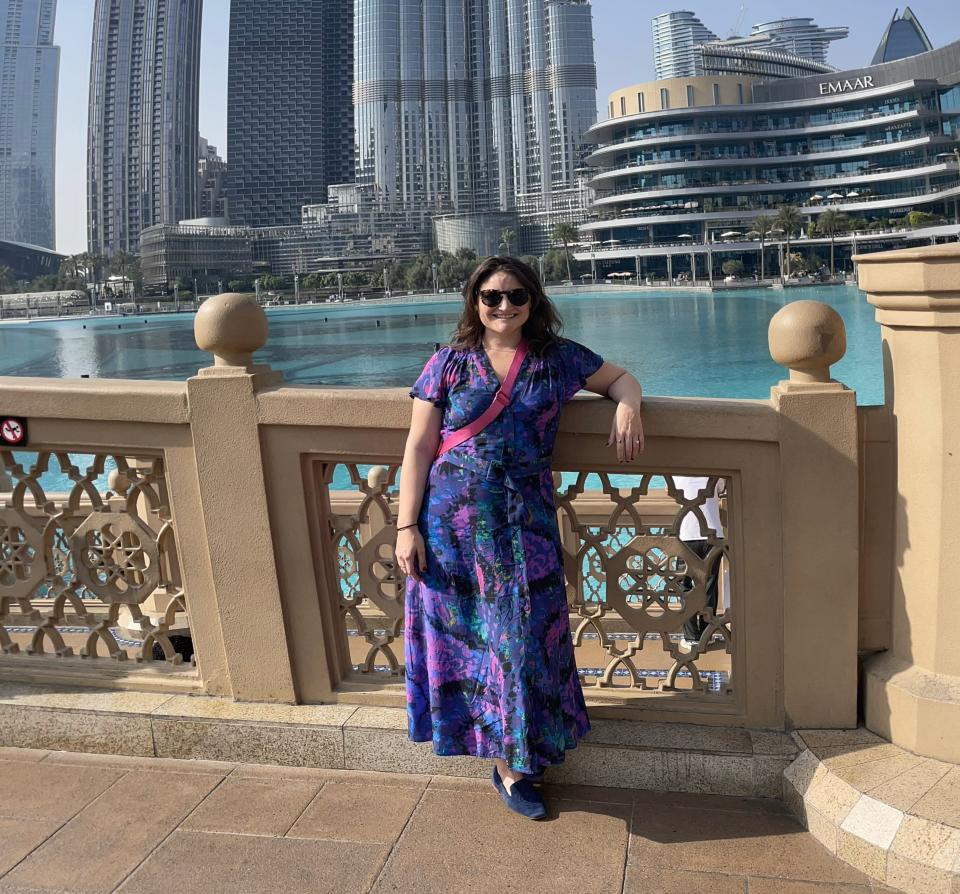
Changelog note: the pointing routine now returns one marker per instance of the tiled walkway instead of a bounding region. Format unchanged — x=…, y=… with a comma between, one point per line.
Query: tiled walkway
x=85, y=824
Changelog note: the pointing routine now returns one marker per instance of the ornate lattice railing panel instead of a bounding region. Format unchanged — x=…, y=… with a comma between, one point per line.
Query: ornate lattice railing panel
x=640, y=595
x=362, y=537
x=88, y=559
x=640, y=600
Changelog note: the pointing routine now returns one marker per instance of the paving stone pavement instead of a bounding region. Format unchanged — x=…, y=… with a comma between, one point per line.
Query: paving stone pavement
x=96, y=824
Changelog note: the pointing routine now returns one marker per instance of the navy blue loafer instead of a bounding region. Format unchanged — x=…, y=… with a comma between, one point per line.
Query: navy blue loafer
x=522, y=798
x=534, y=777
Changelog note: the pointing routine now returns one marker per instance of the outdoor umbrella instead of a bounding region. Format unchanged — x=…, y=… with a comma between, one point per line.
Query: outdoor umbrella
x=684, y=236
x=853, y=194
x=816, y=197
x=834, y=195
x=729, y=234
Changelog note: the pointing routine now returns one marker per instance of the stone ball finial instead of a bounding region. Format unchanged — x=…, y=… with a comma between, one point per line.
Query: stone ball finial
x=231, y=327
x=118, y=482
x=807, y=337
x=377, y=477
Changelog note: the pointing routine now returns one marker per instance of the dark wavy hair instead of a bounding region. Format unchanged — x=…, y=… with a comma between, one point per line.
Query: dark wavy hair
x=543, y=326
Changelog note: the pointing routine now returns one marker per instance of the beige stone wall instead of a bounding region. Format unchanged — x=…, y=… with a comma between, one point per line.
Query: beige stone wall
x=913, y=690
x=648, y=97
x=249, y=460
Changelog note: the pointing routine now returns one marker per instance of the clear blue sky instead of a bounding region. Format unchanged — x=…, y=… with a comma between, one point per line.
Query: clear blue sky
x=623, y=50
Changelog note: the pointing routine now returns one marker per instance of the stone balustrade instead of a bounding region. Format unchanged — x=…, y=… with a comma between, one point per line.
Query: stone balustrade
x=271, y=539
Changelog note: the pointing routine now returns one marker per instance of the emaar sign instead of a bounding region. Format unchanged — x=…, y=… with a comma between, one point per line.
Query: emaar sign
x=829, y=87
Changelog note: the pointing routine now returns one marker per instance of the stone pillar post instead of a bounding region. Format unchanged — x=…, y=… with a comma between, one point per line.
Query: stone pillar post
x=819, y=493
x=912, y=692
x=223, y=523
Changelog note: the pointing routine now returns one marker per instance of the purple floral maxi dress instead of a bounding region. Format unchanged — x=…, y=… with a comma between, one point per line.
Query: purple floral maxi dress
x=490, y=669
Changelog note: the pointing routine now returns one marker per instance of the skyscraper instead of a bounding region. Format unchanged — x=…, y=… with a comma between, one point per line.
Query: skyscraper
x=904, y=37
x=780, y=48
x=472, y=106
x=142, y=132
x=289, y=107
x=675, y=38
x=801, y=37
x=211, y=183
x=29, y=68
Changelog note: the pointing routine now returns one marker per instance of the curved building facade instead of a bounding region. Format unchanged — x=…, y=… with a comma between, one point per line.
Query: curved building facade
x=676, y=38
x=873, y=144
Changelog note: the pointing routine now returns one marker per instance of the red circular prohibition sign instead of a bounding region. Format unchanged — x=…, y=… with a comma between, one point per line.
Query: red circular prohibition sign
x=12, y=431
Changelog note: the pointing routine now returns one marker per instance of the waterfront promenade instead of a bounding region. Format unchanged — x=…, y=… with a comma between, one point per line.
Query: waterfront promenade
x=183, y=605
x=94, y=824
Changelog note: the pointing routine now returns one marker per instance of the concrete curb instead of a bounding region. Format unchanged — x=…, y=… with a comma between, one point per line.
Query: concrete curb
x=617, y=753
x=889, y=813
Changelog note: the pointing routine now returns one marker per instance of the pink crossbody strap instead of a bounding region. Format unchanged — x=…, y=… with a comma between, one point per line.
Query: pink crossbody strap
x=500, y=400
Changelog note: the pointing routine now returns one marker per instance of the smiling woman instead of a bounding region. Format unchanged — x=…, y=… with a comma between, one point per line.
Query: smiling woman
x=490, y=669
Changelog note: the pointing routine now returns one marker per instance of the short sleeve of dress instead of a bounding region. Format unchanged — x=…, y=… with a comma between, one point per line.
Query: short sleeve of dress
x=431, y=384
x=578, y=364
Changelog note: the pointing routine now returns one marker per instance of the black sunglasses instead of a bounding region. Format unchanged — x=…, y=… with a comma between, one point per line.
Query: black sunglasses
x=493, y=297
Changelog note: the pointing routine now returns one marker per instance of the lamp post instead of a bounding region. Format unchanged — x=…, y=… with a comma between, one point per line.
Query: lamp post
x=436, y=288
x=296, y=288
x=386, y=281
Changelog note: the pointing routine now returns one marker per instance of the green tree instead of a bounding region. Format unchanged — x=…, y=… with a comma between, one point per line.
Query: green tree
x=763, y=226
x=507, y=237
x=565, y=233
x=830, y=223
x=789, y=221
x=46, y=283
x=270, y=283
x=732, y=267
x=919, y=218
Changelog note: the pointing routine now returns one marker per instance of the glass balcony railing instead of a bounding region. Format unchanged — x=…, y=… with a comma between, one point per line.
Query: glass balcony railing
x=700, y=207
x=919, y=169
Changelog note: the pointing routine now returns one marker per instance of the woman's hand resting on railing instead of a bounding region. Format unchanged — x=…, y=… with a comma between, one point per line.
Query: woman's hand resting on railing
x=410, y=552
x=626, y=432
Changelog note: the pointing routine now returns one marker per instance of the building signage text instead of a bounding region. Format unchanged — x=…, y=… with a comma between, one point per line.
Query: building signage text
x=828, y=87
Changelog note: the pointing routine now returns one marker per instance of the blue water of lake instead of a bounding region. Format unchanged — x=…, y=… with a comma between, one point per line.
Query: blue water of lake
x=681, y=344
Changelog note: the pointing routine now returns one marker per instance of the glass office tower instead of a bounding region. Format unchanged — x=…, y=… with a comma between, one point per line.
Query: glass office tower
x=29, y=67
x=289, y=107
x=142, y=133
x=904, y=37
x=472, y=105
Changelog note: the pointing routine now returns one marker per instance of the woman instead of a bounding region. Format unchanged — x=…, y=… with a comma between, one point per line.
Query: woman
x=489, y=660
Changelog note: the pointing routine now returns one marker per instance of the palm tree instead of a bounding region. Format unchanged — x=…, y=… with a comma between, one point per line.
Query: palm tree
x=506, y=239
x=565, y=233
x=830, y=223
x=789, y=220
x=7, y=279
x=70, y=267
x=763, y=226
